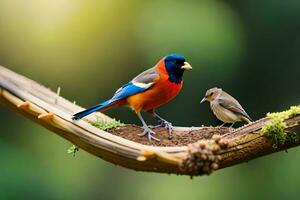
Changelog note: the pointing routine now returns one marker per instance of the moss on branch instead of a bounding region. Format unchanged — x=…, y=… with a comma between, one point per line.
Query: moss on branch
x=105, y=125
x=276, y=128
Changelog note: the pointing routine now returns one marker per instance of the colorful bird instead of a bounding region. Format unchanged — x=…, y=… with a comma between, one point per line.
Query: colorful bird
x=148, y=91
x=225, y=107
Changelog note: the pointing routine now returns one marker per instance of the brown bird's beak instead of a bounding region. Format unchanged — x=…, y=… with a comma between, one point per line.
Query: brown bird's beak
x=186, y=66
x=204, y=99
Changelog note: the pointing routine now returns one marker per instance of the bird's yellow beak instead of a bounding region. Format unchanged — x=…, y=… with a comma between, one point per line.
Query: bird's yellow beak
x=186, y=66
x=204, y=99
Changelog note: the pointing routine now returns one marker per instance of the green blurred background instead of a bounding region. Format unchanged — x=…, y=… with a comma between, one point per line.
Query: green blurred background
x=89, y=48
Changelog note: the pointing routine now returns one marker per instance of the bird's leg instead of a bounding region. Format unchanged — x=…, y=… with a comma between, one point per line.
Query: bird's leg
x=231, y=125
x=147, y=130
x=222, y=125
x=163, y=122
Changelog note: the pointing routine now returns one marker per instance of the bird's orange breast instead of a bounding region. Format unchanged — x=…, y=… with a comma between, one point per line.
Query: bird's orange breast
x=160, y=93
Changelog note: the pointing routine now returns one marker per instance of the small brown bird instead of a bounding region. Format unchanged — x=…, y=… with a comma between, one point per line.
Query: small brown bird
x=225, y=107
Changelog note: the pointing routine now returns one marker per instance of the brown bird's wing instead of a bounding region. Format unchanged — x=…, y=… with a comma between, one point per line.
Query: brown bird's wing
x=229, y=103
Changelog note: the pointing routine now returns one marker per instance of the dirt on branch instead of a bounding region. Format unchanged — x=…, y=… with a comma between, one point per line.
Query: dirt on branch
x=179, y=137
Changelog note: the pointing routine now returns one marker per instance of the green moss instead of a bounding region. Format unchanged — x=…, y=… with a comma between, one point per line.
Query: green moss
x=105, y=125
x=294, y=110
x=275, y=129
x=72, y=150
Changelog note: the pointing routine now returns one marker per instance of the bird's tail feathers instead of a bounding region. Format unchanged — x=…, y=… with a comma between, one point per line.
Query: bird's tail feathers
x=93, y=109
x=247, y=119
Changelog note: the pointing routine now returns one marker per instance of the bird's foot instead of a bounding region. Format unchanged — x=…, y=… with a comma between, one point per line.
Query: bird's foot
x=167, y=125
x=149, y=133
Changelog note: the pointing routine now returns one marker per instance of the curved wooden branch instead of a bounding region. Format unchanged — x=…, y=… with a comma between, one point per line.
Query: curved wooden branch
x=191, y=151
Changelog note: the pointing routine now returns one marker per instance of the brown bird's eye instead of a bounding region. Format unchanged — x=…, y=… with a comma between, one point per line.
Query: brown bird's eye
x=211, y=94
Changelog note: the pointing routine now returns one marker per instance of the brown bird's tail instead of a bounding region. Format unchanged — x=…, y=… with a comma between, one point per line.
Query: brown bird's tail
x=248, y=120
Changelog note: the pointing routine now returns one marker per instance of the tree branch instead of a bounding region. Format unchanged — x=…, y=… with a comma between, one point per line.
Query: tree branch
x=191, y=151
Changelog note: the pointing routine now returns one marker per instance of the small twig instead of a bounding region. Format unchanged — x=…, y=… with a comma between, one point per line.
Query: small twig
x=57, y=95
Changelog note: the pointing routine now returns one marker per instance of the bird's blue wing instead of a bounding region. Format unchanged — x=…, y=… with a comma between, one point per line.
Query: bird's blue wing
x=139, y=84
x=127, y=90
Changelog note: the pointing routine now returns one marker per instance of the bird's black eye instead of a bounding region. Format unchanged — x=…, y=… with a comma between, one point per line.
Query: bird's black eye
x=211, y=94
x=178, y=61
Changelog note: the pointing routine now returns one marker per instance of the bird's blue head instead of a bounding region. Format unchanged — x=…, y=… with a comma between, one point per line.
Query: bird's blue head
x=175, y=65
